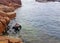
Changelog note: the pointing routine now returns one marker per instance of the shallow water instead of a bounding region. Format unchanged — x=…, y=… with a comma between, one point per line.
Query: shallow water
x=40, y=21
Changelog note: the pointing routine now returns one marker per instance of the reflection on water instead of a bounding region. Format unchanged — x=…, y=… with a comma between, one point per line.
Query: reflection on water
x=39, y=21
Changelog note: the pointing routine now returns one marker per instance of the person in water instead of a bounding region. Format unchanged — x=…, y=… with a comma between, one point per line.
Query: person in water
x=17, y=27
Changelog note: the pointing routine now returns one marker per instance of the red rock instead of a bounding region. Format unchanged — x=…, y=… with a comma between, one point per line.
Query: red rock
x=3, y=14
x=5, y=39
x=7, y=13
x=3, y=21
x=6, y=8
x=15, y=40
x=14, y=5
x=6, y=2
x=2, y=27
x=11, y=15
x=7, y=19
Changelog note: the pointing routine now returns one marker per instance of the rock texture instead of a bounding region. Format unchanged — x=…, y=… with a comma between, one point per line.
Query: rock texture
x=5, y=19
x=47, y=0
x=7, y=8
x=6, y=39
x=6, y=2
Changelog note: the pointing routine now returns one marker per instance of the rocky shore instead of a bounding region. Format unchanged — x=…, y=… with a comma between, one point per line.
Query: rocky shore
x=47, y=0
x=7, y=13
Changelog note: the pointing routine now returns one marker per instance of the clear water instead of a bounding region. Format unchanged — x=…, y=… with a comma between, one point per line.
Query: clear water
x=40, y=21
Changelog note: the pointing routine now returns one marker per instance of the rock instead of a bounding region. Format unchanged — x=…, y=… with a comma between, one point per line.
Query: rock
x=6, y=2
x=2, y=27
x=17, y=2
x=11, y=15
x=13, y=40
x=3, y=14
x=3, y=21
x=6, y=8
x=6, y=39
x=47, y=0
x=3, y=39
x=14, y=5
x=7, y=19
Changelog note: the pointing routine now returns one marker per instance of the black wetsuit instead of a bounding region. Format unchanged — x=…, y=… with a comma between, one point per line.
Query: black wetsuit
x=17, y=28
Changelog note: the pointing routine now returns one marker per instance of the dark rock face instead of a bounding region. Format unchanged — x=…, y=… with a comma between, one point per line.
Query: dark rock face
x=47, y=0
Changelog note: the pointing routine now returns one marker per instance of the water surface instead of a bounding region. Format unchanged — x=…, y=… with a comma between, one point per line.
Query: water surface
x=40, y=21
